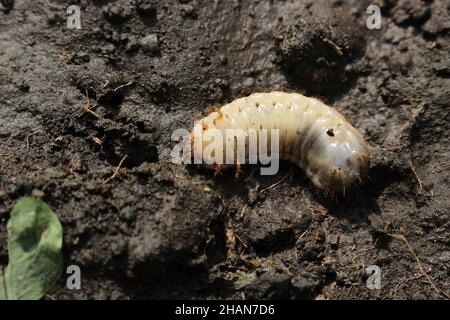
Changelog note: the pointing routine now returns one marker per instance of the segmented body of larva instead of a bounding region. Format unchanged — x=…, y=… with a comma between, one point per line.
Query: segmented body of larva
x=316, y=137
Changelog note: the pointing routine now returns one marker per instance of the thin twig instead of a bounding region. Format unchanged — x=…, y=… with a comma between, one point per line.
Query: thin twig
x=87, y=106
x=116, y=171
x=304, y=234
x=243, y=244
x=276, y=184
x=334, y=46
x=419, y=264
x=409, y=123
x=243, y=210
x=415, y=174
x=123, y=86
x=230, y=239
x=136, y=101
x=403, y=281
x=50, y=297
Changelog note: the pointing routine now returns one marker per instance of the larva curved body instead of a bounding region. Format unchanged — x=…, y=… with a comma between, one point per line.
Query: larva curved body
x=316, y=137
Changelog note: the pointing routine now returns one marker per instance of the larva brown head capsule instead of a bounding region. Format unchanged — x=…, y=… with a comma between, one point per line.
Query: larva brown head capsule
x=340, y=160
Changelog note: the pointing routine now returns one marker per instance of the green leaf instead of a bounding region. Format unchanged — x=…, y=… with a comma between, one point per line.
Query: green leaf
x=34, y=244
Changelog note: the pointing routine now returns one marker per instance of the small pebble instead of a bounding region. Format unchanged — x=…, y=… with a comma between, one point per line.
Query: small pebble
x=150, y=43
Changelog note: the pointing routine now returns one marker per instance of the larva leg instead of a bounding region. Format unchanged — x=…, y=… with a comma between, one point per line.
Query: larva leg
x=218, y=169
x=238, y=170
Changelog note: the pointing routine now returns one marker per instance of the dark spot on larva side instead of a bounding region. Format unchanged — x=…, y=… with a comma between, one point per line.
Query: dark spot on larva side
x=330, y=132
x=310, y=142
x=303, y=133
x=273, y=103
x=302, y=136
x=257, y=104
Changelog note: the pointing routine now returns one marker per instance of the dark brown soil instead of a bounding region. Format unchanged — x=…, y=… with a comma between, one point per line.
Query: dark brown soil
x=160, y=230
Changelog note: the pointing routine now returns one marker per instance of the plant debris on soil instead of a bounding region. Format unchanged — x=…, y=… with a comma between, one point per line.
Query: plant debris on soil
x=86, y=117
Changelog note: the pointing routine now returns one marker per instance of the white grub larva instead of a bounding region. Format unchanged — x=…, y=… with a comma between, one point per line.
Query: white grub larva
x=316, y=137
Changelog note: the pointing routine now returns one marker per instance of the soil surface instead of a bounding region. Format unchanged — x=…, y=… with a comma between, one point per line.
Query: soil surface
x=75, y=102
